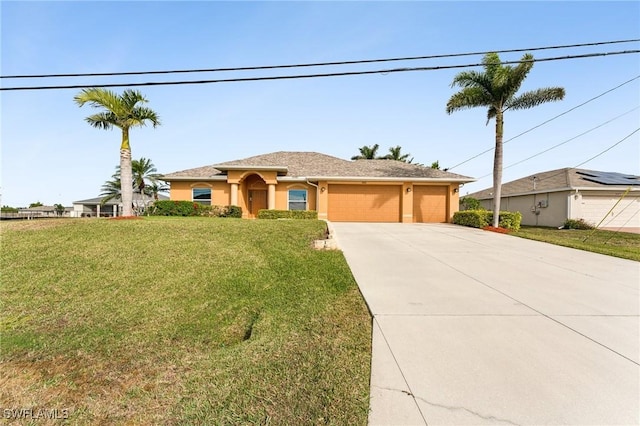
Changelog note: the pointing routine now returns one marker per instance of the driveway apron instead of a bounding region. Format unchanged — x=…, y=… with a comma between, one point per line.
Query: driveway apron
x=474, y=327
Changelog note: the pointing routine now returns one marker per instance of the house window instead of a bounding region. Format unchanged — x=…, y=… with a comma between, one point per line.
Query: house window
x=297, y=199
x=202, y=195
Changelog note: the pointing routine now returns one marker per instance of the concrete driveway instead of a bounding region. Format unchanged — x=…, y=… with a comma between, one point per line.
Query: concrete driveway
x=474, y=327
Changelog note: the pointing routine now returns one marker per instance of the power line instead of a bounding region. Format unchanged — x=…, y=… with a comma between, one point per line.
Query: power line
x=594, y=157
x=564, y=142
x=545, y=122
x=319, y=64
x=611, y=147
x=300, y=76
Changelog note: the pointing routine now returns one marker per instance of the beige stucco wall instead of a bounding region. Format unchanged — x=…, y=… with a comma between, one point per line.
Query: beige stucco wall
x=529, y=206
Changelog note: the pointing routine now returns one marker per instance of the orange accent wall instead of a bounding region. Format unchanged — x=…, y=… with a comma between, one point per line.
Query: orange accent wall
x=282, y=195
x=220, y=191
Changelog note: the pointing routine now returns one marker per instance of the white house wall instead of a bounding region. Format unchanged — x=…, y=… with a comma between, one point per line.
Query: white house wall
x=591, y=206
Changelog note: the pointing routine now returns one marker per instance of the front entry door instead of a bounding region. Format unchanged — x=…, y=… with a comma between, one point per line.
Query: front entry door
x=257, y=201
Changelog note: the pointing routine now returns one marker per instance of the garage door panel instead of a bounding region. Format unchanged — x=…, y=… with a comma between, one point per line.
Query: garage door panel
x=611, y=212
x=430, y=204
x=364, y=203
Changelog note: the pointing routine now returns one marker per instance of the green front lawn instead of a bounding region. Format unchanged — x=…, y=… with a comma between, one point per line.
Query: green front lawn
x=619, y=244
x=181, y=320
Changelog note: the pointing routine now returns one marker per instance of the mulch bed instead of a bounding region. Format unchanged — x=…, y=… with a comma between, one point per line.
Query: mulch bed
x=498, y=230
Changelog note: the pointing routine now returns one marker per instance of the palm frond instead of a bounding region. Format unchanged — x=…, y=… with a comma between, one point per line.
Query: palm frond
x=469, y=97
x=535, y=97
x=102, y=120
x=519, y=74
x=100, y=98
x=130, y=98
x=491, y=113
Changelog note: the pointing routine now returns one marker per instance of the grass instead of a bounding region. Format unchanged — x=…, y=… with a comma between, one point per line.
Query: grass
x=181, y=321
x=618, y=244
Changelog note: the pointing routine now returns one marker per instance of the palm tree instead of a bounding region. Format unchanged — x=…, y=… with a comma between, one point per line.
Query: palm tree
x=395, y=154
x=496, y=89
x=367, y=153
x=122, y=111
x=146, y=181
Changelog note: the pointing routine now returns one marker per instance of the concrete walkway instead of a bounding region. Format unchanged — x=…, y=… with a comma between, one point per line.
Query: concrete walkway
x=474, y=327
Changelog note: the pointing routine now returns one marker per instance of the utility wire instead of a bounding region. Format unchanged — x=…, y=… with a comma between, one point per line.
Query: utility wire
x=562, y=143
x=318, y=64
x=300, y=76
x=545, y=122
x=611, y=147
x=594, y=157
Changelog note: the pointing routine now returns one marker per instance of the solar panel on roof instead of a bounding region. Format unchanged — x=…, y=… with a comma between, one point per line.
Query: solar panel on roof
x=610, y=178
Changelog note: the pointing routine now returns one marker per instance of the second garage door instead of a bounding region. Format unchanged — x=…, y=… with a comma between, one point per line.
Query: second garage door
x=430, y=204
x=364, y=203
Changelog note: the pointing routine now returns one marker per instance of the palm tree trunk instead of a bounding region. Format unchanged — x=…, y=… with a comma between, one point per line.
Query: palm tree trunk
x=497, y=170
x=126, y=176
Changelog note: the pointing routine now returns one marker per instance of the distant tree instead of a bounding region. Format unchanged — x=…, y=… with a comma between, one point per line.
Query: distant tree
x=59, y=209
x=435, y=165
x=145, y=181
x=8, y=209
x=36, y=204
x=367, y=153
x=496, y=89
x=122, y=111
x=395, y=153
x=470, y=203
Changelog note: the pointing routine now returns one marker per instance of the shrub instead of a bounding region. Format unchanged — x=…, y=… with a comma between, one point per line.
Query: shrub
x=189, y=208
x=509, y=220
x=472, y=218
x=577, y=224
x=482, y=218
x=470, y=203
x=287, y=214
x=233, y=211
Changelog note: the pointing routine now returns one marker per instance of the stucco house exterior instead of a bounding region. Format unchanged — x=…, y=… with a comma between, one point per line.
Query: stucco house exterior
x=339, y=190
x=551, y=197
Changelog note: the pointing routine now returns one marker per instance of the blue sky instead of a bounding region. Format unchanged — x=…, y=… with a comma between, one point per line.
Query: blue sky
x=50, y=154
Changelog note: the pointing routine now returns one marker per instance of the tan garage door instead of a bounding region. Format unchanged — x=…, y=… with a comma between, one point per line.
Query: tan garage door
x=364, y=203
x=430, y=204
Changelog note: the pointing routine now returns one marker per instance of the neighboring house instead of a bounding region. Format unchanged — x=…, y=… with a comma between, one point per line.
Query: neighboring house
x=94, y=207
x=339, y=190
x=40, y=211
x=549, y=198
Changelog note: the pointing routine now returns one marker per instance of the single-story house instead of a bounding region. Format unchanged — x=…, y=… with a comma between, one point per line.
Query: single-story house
x=549, y=198
x=40, y=211
x=339, y=190
x=94, y=207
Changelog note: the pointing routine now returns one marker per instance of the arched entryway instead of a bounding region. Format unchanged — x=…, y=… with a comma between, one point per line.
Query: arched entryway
x=255, y=194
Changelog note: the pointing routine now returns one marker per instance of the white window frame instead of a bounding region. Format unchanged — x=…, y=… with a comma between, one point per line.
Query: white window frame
x=306, y=198
x=203, y=201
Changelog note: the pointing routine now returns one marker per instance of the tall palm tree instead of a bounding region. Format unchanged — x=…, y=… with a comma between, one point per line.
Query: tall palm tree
x=122, y=111
x=367, y=153
x=146, y=181
x=496, y=89
x=396, y=154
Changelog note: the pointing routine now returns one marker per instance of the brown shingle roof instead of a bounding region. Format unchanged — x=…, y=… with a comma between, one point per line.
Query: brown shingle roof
x=314, y=164
x=550, y=181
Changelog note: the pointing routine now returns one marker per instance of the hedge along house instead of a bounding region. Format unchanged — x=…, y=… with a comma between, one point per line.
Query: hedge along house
x=550, y=198
x=340, y=190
